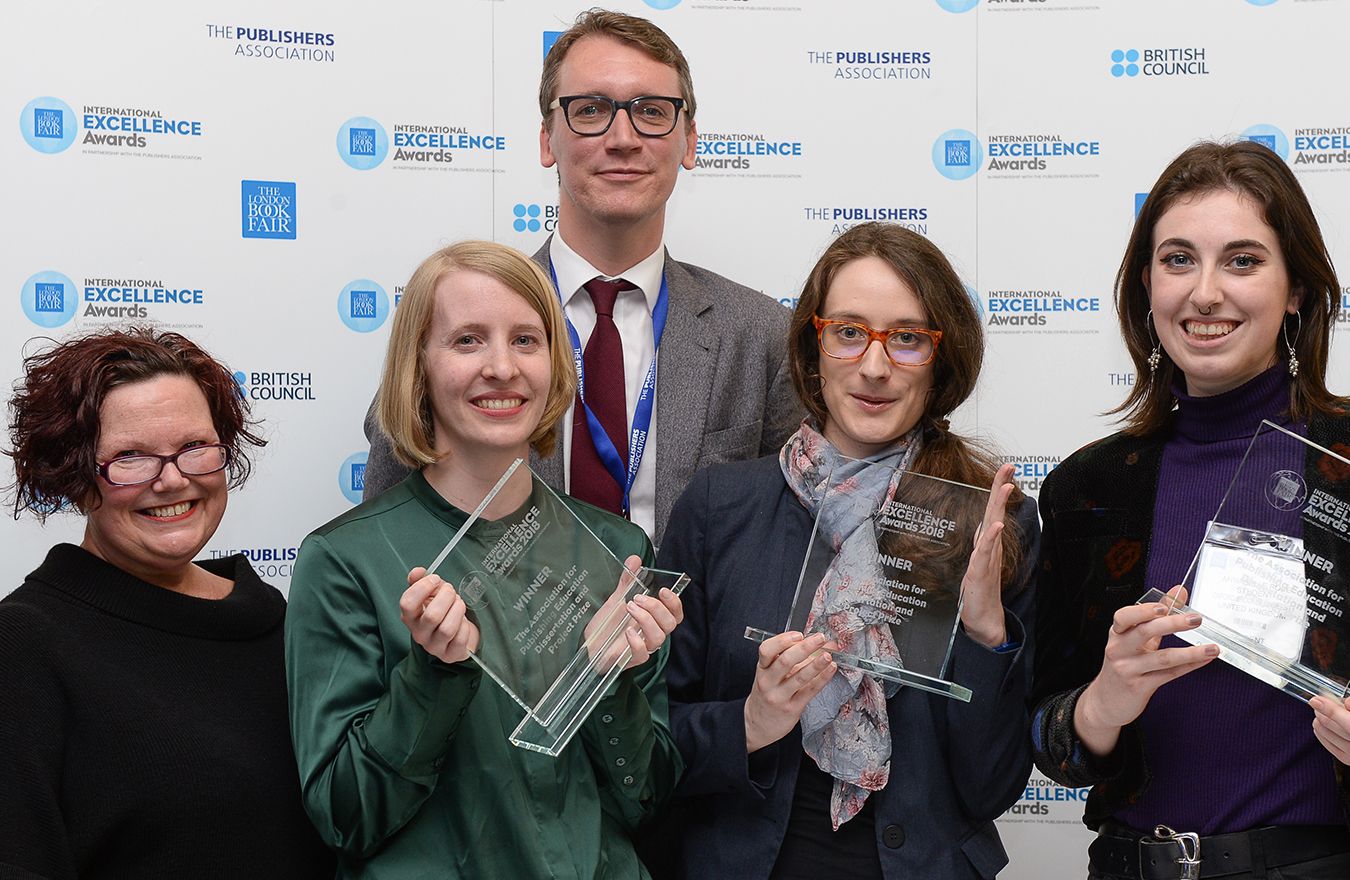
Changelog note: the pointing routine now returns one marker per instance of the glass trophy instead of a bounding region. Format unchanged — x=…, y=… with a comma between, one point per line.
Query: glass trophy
x=1269, y=578
x=550, y=603
x=883, y=578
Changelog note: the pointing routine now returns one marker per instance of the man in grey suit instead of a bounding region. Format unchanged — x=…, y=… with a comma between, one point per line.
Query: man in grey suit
x=618, y=107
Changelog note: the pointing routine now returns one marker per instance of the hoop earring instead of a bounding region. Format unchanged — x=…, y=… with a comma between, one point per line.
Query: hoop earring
x=1293, y=358
x=1155, y=356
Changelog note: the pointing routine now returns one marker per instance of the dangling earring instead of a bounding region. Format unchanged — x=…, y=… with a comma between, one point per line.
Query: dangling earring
x=1293, y=358
x=1155, y=356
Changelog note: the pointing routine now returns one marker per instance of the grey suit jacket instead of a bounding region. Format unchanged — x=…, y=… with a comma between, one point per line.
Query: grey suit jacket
x=723, y=388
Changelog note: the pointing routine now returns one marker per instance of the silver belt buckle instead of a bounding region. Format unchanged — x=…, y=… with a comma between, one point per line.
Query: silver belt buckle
x=1189, y=842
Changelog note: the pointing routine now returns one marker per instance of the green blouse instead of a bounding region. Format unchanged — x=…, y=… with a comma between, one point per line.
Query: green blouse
x=404, y=761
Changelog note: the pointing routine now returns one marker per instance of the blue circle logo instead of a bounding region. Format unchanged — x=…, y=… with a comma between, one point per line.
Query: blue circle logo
x=662, y=4
x=1124, y=62
x=958, y=5
x=527, y=218
x=352, y=476
x=975, y=299
x=49, y=299
x=48, y=124
x=363, y=305
x=1263, y=2
x=1268, y=136
x=957, y=154
x=362, y=143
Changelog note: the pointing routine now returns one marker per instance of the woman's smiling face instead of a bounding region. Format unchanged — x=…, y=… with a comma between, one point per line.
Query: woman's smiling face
x=1219, y=289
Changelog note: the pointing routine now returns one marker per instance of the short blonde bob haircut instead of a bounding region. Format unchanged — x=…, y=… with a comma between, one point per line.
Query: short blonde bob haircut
x=403, y=407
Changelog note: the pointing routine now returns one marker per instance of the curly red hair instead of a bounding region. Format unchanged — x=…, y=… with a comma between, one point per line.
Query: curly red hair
x=55, y=411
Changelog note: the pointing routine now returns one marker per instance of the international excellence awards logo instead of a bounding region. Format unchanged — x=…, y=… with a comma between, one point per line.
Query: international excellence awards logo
x=49, y=299
x=363, y=305
x=362, y=143
x=268, y=208
x=48, y=124
x=352, y=476
x=957, y=154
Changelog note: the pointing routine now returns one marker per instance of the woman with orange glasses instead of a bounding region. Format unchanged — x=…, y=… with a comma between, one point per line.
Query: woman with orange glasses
x=895, y=783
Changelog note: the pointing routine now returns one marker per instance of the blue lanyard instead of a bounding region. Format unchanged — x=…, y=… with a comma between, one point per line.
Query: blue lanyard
x=642, y=413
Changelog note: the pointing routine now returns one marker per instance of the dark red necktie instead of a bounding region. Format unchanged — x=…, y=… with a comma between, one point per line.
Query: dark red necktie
x=606, y=396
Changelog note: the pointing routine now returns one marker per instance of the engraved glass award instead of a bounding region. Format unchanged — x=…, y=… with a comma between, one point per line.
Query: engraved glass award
x=882, y=578
x=1270, y=576
x=549, y=600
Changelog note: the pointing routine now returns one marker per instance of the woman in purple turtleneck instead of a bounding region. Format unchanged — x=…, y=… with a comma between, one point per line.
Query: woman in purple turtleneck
x=1226, y=299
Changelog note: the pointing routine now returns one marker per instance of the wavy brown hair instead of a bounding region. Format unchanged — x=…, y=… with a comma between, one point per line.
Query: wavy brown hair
x=1256, y=172
x=56, y=407
x=956, y=368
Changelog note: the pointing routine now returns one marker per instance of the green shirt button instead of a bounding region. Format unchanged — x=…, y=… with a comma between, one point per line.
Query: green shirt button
x=614, y=740
x=619, y=762
x=628, y=780
x=606, y=718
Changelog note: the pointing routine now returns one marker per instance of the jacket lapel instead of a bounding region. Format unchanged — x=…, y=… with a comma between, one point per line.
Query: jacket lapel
x=685, y=383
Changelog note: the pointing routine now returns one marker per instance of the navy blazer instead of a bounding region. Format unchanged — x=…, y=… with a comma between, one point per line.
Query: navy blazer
x=741, y=534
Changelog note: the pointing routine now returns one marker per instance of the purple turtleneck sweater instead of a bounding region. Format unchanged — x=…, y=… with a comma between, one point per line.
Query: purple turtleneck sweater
x=1226, y=752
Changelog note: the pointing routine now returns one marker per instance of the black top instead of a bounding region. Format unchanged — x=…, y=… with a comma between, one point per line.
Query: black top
x=143, y=733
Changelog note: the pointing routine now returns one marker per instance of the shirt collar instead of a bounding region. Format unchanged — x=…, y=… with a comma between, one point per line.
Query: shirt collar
x=573, y=271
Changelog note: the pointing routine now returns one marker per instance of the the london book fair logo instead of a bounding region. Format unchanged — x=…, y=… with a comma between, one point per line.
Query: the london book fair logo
x=533, y=217
x=662, y=4
x=268, y=208
x=48, y=124
x=1159, y=61
x=352, y=476
x=957, y=154
x=1269, y=137
x=363, y=305
x=958, y=6
x=49, y=298
x=362, y=143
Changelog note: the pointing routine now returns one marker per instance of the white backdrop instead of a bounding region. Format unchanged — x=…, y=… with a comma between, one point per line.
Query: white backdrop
x=1017, y=134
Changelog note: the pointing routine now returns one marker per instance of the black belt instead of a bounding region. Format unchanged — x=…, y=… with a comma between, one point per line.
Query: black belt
x=1124, y=852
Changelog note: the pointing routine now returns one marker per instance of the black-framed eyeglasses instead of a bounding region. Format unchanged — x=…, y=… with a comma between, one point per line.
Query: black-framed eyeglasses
x=195, y=461
x=592, y=115
x=905, y=346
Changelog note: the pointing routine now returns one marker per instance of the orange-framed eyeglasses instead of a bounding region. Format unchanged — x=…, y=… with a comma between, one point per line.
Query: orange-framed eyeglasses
x=849, y=340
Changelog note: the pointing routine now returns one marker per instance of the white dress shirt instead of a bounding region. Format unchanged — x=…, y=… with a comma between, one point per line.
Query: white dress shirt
x=633, y=317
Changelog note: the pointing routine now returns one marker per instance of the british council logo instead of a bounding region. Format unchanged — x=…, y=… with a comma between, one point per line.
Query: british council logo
x=1268, y=136
x=48, y=124
x=527, y=218
x=362, y=143
x=958, y=5
x=1124, y=62
x=49, y=299
x=363, y=305
x=957, y=154
x=352, y=476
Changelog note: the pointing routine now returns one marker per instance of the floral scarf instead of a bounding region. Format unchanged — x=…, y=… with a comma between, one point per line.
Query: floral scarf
x=845, y=728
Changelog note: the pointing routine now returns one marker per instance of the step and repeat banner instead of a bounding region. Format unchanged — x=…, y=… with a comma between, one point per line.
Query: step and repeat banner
x=264, y=177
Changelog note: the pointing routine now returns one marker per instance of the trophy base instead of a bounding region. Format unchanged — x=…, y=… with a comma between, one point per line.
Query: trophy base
x=890, y=673
x=1241, y=653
